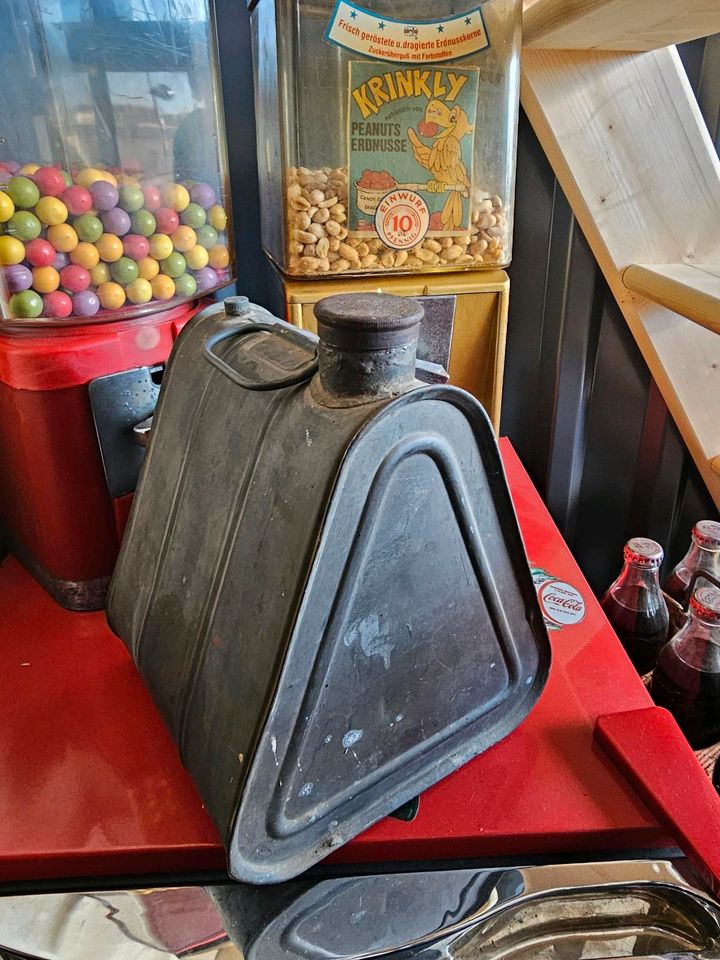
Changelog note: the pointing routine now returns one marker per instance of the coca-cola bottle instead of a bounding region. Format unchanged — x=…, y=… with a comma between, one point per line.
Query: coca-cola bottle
x=703, y=556
x=634, y=603
x=686, y=679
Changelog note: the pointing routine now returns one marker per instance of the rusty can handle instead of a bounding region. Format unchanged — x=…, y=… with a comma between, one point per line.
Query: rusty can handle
x=304, y=373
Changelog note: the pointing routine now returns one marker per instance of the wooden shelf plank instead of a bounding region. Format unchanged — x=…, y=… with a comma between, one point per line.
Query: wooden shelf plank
x=617, y=24
x=629, y=147
x=681, y=287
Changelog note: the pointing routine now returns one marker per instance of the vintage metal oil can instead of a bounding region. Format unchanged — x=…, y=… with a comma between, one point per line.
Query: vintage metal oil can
x=323, y=582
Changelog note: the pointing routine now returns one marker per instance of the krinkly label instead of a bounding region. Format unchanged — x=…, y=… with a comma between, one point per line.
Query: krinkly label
x=406, y=41
x=410, y=151
x=562, y=604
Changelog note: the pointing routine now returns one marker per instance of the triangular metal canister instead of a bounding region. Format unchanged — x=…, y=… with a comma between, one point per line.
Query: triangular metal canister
x=323, y=581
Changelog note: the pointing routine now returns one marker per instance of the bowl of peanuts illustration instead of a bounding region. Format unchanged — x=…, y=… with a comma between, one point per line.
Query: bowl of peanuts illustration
x=372, y=186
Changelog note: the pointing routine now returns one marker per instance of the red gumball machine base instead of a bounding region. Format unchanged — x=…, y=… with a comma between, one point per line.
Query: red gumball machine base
x=69, y=459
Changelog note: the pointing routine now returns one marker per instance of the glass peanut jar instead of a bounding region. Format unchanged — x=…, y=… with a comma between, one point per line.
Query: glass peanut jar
x=113, y=166
x=386, y=138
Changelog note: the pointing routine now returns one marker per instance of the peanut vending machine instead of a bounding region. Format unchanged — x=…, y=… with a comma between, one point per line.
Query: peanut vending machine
x=386, y=150
x=113, y=226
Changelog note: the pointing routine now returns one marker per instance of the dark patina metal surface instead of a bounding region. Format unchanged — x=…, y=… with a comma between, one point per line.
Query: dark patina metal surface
x=323, y=584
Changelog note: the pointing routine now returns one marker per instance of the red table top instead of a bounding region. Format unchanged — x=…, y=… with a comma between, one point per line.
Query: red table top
x=91, y=784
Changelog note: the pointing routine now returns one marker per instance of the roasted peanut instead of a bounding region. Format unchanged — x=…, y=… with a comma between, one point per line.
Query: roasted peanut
x=350, y=253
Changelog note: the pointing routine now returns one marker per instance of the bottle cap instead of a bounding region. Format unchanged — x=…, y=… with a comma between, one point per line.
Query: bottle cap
x=706, y=604
x=643, y=552
x=706, y=533
x=368, y=321
x=236, y=306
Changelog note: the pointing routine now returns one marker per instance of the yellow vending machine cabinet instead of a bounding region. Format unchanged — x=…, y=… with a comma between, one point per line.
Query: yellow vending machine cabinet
x=464, y=329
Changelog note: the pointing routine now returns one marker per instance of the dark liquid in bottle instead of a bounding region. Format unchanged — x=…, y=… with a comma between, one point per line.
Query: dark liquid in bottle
x=690, y=693
x=678, y=589
x=643, y=634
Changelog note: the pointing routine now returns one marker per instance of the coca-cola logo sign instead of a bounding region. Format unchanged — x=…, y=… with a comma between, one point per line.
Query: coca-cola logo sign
x=561, y=602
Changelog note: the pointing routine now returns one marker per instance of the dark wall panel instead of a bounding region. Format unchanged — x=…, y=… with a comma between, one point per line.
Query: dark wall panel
x=233, y=29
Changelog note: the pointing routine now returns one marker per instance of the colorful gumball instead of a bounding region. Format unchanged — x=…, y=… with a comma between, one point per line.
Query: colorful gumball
x=131, y=198
x=63, y=237
x=174, y=265
x=124, y=270
x=77, y=199
x=7, y=207
x=148, y=268
x=175, y=196
x=12, y=250
x=207, y=236
x=185, y=285
x=217, y=217
x=197, y=257
x=17, y=278
x=86, y=254
x=60, y=260
x=111, y=295
x=116, y=221
x=139, y=291
x=218, y=256
x=163, y=287
x=126, y=180
x=151, y=198
x=167, y=220
x=40, y=253
x=104, y=195
x=184, y=238
x=161, y=246
x=85, y=304
x=203, y=194
x=24, y=225
x=9, y=166
x=193, y=216
x=88, y=228
x=75, y=278
x=110, y=177
x=23, y=192
x=67, y=179
x=45, y=279
x=26, y=304
x=51, y=211
x=143, y=223
x=109, y=247
x=206, y=278
x=89, y=175
x=50, y=181
x=57, y=305
x=135, y=246
x=100, y=274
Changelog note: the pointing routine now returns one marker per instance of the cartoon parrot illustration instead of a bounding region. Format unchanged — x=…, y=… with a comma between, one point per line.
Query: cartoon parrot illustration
x=446, y=126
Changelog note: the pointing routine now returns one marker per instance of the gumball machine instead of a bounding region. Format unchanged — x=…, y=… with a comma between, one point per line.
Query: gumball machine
x=113, y=228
